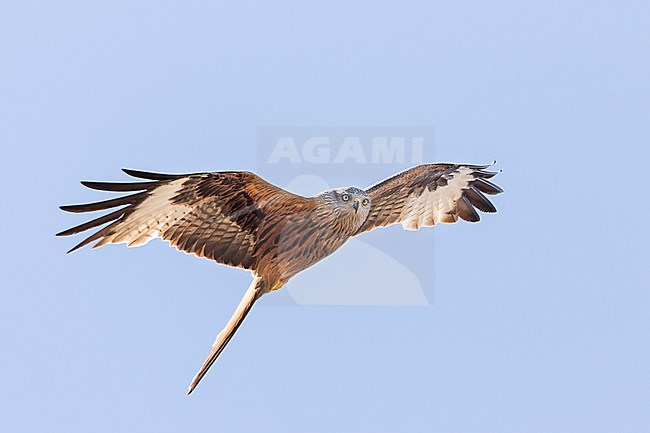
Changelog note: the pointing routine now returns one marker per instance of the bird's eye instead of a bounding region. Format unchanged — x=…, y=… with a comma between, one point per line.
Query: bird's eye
x=345, y=197
x=365, y=202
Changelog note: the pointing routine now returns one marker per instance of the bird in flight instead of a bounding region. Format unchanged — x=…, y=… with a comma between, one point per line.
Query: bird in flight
x=238, y=219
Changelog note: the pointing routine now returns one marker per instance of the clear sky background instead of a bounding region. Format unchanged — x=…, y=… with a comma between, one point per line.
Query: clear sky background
x=540, y=321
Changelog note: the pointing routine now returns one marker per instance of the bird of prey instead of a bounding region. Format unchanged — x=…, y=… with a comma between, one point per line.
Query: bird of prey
x=238, y=219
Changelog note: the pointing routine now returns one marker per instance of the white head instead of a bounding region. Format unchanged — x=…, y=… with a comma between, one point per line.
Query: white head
x=350, y=204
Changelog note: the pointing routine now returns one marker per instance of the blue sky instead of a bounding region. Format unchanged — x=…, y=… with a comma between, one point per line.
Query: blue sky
x=540, y=319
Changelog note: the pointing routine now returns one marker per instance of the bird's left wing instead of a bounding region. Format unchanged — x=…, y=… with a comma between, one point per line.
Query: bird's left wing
x=430, y=193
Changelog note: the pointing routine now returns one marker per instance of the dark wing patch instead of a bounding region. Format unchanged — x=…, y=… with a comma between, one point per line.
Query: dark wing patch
x=431, y=193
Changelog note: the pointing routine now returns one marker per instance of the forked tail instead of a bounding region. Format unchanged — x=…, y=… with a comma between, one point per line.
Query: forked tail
x=251, y=295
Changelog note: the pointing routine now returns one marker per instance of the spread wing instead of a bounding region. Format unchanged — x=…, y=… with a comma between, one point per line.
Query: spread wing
x=430, y=193
x=212, y=215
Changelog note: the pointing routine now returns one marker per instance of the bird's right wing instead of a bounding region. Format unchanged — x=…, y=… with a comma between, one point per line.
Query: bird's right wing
x=212, y=215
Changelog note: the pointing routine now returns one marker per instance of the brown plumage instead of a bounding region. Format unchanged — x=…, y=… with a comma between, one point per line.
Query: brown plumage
x=240, y=220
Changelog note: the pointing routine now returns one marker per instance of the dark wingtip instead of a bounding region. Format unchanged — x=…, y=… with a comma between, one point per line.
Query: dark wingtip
x=466, y=211
x=93, y=223
x=105, y=204
x=477, y=199
x=75, y=248
x=118, y=186
x=487, y=187
x=486, y=174
x=150, y=175
x=79, y=245
x=63, y=233
x=73, y=208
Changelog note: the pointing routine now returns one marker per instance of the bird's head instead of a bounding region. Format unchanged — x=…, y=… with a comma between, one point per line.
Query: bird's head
x=350, y=203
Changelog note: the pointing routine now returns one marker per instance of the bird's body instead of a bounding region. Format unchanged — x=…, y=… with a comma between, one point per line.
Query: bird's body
x=240, y=220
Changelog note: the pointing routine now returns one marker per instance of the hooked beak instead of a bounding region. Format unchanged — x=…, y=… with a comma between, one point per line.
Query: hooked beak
x=356, y=206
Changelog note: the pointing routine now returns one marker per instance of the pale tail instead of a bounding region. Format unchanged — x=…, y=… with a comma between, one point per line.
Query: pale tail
x=251, y=295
